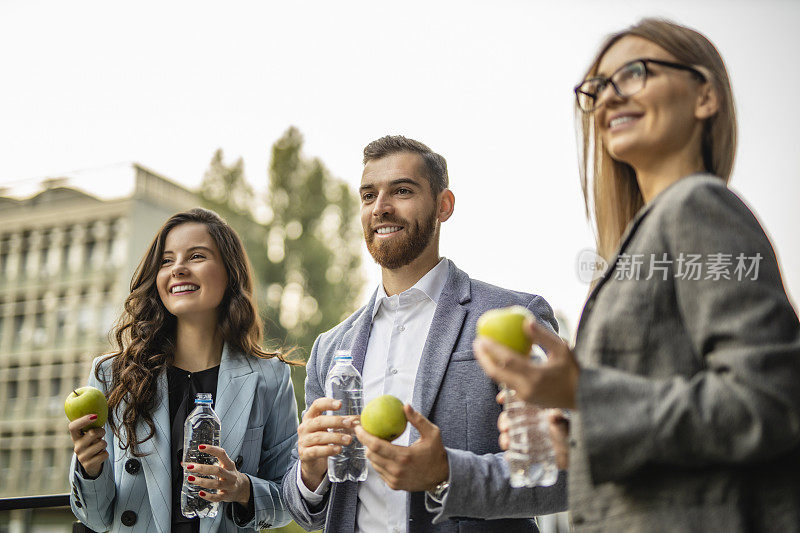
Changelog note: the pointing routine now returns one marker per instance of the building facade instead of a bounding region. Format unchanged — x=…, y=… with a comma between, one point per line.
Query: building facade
x=66, y=261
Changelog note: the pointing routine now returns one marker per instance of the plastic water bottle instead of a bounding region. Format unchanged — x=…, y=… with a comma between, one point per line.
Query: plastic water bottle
x=530, y=456
x=343, y=383
x=202, y=427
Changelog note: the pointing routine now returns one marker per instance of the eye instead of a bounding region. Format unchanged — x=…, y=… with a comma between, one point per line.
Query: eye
x=197, y=256
x=404, y=190
x=165, y=260
x=367, y=197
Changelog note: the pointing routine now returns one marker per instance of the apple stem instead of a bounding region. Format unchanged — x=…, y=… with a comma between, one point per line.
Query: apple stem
x=75, y=392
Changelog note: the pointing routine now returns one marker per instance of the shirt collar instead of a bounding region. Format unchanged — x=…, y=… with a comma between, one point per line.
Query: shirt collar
x=430, y=285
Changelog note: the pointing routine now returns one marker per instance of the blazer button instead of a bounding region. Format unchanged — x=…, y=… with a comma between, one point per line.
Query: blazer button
x=128, y=518
x=132, y=466
x=239, y=462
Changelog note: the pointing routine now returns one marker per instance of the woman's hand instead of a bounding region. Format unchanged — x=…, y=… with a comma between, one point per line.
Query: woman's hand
x=88, y=444
x=552, y=384
x=230, y=484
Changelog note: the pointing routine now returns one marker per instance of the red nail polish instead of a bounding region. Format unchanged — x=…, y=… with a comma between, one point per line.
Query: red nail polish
x=202, y=446
x=92, y=417
x=190, y=467
x=190, y=478
x=202, y=494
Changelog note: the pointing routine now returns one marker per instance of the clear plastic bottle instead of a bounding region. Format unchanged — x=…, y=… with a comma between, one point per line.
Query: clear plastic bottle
x=344, y=383
x=202, y=427
x=530, y=456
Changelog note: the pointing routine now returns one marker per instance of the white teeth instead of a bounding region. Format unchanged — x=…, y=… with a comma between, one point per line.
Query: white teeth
x=183, y=288
x=621, y=120
x=384, y=231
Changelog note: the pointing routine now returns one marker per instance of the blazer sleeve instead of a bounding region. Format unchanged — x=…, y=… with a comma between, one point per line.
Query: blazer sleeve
x=280, y=438
x=744, y=406
x=92, y=500
x=309, y=518
x=480, y=484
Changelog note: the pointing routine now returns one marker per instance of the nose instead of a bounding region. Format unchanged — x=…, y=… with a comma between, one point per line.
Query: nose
x=179, y=269
x=382, y=206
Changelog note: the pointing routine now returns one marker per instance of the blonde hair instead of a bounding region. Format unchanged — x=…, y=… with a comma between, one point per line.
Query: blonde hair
x=615, y=196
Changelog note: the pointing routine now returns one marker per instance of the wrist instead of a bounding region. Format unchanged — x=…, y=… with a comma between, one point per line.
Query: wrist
x=244, y=492
x=311, y=480
x=443, y=473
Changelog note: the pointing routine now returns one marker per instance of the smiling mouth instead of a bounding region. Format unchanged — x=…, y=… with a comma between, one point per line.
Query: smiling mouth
x=622, y=121
x=388, y=230
x=184, y=288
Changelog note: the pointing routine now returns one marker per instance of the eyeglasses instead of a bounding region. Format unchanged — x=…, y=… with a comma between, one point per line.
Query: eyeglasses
x=627, y=80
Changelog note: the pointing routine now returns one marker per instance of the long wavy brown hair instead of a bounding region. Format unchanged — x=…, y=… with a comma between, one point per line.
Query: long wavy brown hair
x=145, y=333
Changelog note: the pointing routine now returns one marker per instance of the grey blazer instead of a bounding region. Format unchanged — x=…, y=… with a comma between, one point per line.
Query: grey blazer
x=689, y=397
x=255, y=402
x=452, y=391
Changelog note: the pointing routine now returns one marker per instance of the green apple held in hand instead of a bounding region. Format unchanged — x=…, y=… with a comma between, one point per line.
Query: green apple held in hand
x=506, y=326
x=87, y=401
x=384, y=417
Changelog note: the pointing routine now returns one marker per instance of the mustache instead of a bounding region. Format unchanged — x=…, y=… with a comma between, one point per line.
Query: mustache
x=388, y=220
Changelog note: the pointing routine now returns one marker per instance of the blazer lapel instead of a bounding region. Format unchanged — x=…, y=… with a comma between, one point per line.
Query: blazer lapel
x=442, y=336
x=156, y=463
x=626, y=237
x=236, y=384
x=357, y=337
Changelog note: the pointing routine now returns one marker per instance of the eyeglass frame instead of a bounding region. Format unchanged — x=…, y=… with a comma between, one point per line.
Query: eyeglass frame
x=609, y=81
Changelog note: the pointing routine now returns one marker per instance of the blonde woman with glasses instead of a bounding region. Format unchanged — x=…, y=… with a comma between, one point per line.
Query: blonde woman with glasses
x=685, y=374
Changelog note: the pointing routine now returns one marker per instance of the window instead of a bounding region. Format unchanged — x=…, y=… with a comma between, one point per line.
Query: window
x=62, y=312
x=55, y=382
x=12, y=389
x=33, y=388
x=84, y=315
x=39, y=331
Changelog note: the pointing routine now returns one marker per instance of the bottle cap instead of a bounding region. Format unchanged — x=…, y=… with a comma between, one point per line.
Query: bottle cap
x=203, y=398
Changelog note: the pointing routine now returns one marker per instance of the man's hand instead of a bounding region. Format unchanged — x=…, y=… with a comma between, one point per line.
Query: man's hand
x=315, y=443
x=415, y=468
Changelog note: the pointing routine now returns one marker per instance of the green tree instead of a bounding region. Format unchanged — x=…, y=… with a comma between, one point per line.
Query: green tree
x=306, y=251
x=314, y=275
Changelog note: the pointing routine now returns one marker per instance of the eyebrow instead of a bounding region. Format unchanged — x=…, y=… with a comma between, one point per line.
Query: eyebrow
x=193, y=248
x=398, y=181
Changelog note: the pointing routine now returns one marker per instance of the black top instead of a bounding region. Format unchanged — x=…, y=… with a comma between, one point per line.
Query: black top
x=183, y=386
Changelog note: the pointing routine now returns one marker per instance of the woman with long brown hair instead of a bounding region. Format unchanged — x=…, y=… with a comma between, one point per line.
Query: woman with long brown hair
x=684, y=375
x=190, y=325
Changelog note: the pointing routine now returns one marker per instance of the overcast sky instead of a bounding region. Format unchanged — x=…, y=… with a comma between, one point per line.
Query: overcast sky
x=487, y=84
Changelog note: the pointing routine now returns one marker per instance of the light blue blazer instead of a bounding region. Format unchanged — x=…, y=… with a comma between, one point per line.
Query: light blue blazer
x=255, y=402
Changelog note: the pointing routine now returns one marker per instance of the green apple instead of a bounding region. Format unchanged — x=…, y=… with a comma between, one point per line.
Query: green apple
x=384, y=417
x=87, y=401
x=506, y=326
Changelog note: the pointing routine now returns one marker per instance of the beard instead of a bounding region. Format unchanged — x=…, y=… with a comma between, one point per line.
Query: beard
x=403, y=249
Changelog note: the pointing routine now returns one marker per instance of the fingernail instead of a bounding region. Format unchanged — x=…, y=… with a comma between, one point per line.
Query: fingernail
x=337, y=403
x=202, y=494
x=92, y=417
x=202, y=446
x=190, y=478
x=190, y=467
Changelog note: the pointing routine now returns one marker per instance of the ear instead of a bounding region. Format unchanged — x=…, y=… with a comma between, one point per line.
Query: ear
x=707, y=102
x=447, y=202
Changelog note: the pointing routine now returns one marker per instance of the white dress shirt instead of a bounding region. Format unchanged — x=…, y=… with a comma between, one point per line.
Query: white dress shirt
x=400, y=326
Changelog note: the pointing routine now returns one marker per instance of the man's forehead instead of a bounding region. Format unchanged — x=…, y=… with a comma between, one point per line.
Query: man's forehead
x=402, y=165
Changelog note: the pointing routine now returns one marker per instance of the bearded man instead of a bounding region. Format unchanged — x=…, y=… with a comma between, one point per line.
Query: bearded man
x=413, y=339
